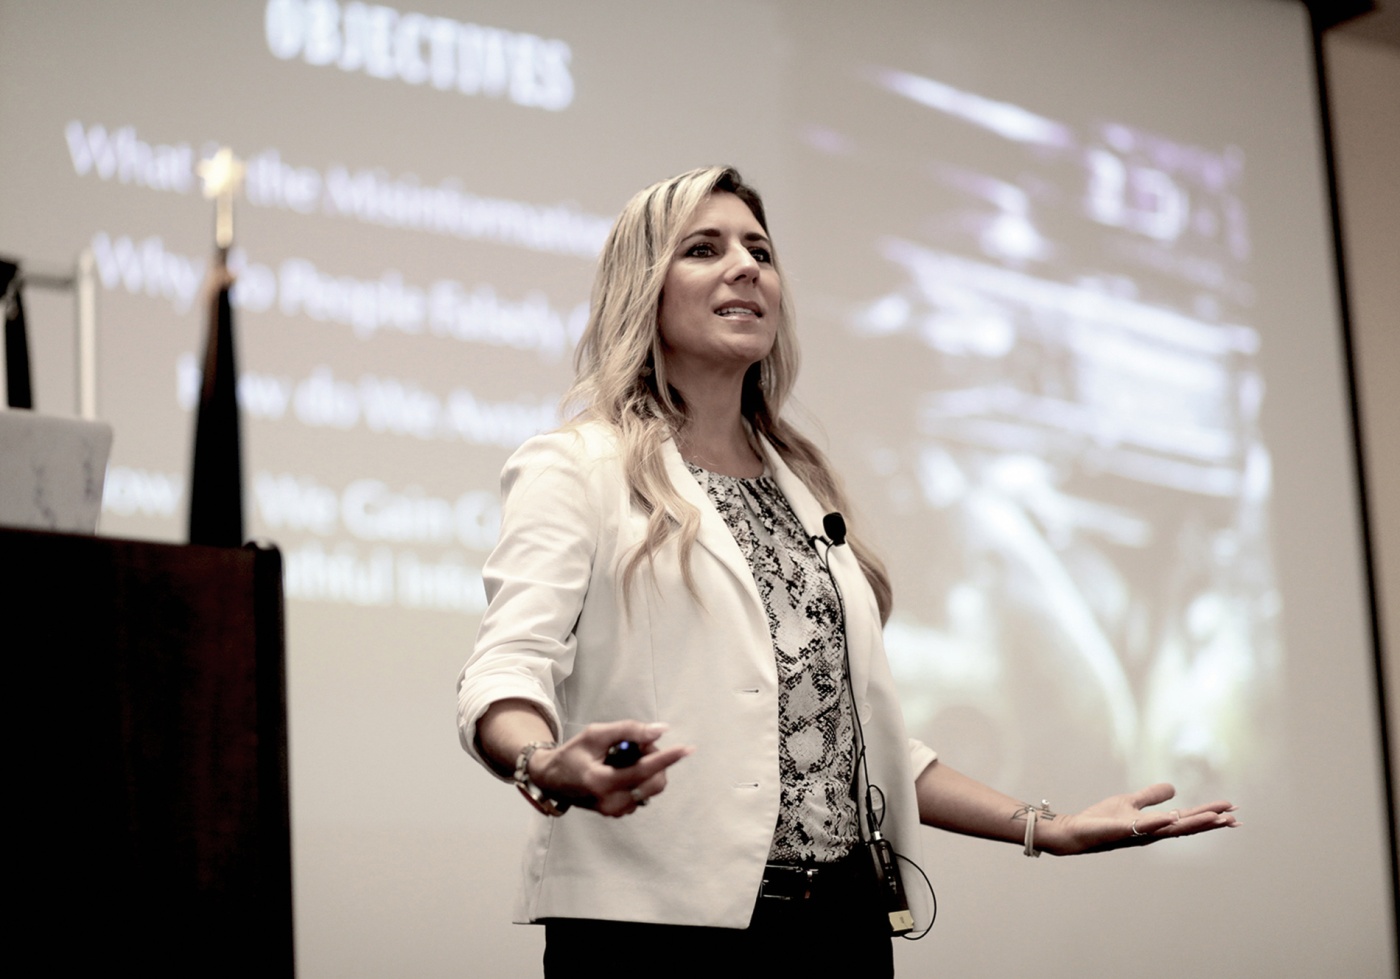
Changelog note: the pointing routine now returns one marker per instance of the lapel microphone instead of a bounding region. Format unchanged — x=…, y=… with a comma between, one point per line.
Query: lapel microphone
x=835, y=526
x=834, y=531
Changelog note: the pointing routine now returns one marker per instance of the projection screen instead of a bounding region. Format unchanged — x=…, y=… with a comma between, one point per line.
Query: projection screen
x=1063, y=281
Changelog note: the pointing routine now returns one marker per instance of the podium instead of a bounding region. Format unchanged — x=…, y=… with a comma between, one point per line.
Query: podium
x=153, y=830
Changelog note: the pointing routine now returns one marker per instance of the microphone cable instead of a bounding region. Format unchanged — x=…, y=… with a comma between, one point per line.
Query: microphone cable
x=884, y=856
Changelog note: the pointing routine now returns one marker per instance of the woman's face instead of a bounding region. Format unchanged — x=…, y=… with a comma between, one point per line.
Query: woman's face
x=721, y=300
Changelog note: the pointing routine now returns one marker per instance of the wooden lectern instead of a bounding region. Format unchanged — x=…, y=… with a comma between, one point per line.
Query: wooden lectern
x=152, y=829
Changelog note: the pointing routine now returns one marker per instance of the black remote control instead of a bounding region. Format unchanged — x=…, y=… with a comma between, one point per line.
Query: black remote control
x=624, y=754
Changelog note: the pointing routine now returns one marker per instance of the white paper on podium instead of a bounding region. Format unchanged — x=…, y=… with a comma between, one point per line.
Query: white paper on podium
x=52, y=471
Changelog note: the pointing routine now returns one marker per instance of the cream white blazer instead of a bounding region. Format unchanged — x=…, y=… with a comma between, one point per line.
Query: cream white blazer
x=556, y=633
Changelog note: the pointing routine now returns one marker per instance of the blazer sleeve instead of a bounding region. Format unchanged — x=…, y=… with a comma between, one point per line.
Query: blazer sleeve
x=921, y=756
x=536, y=579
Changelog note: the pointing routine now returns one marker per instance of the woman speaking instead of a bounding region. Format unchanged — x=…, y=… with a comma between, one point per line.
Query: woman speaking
x=673, y=576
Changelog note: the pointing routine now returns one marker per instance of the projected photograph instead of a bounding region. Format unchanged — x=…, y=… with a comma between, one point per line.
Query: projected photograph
x=1055, y=336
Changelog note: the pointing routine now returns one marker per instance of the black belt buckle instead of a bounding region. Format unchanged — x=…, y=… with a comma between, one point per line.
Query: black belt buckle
x=787, y=883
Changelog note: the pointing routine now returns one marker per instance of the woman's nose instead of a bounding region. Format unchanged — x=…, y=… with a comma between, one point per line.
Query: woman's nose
x=743, y=266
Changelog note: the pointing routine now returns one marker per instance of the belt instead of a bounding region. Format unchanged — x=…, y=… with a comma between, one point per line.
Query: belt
x=810, y=881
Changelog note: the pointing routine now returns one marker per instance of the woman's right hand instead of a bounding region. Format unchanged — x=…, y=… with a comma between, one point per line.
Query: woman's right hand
x=575, y=771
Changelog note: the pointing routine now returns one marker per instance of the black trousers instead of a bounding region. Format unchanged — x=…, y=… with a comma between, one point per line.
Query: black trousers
x=837, y=925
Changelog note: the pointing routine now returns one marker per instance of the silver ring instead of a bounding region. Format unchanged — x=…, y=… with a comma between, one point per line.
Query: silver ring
x=1136, y=831
x=637, y=796
x=1176, y=815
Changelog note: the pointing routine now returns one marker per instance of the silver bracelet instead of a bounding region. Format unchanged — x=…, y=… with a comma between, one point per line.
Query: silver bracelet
x=531, y=791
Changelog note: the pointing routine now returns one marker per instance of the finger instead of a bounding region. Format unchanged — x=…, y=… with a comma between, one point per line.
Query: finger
x=657, y=761
x=1199, y=823
x=617, y=804
x=625, y=801
x=622, y=803
x=607, y=780
x=603, y=781
x=1219, y=806
x=651, y=787
x=611, y=732
x=1153, y=795
x=1153, y=823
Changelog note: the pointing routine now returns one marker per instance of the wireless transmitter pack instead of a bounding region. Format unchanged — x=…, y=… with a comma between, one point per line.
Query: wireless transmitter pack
x=891, y=888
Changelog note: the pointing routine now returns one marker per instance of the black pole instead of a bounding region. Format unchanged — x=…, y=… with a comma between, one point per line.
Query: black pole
x=1324, y=15
x=216, y=477
x=18, y=386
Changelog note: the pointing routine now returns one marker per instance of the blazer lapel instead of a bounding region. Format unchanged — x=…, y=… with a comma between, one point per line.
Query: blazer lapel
x=714, y=535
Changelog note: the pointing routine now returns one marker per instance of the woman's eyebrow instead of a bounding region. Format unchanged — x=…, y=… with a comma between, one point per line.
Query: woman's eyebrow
x=717, y=233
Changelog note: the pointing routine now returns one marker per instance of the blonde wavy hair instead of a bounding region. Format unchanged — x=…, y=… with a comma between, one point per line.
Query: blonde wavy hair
x=621, y=371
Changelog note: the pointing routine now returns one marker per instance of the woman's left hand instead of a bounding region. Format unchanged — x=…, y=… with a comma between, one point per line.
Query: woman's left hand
x=1123, y=820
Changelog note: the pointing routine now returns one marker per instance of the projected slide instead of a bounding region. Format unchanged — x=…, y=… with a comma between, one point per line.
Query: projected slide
x=359, y=359
x=1050, y=413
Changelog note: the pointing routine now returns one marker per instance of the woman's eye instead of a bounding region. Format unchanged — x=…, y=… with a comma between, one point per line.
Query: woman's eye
x=707, y=249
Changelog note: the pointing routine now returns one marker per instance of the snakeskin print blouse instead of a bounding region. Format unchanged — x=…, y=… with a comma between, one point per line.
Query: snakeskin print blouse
x=817, y=819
